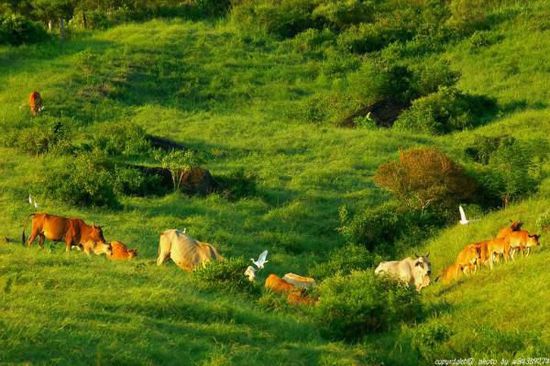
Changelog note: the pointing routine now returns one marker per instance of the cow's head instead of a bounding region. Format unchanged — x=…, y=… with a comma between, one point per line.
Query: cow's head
x=533, y=240
x=102, y=248
x=422, y=270
x=422, y=264
x=132, y=253
x=96, y=234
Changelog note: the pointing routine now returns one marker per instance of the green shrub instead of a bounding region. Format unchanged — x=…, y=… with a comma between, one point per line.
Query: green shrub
x=282, y=19
x=372, y=228
x=227, y=275
x=445, y=111
x=345, y=260
x=340, y=14
x=429, y=341
x=361, y=303
x=16, y=30
x=84, y=181
x=213, y=7
x=51, y=136
x=121, y=139
x=133, y=182
x=515, y=169
x=483, y=147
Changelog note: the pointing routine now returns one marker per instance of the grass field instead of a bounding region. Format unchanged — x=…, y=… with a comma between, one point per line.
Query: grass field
x=234, y=98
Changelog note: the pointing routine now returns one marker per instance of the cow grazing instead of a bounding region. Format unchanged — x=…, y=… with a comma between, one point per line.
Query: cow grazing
x=451, y=273
x=35, y=103
x=504, y=232
x=299, y=281
x=522, y=240
x=469, y=258
x=121, y=251
x=69, y=230
x=412, y=271
x=496, y=248
x=185, y=251
x=483, y=252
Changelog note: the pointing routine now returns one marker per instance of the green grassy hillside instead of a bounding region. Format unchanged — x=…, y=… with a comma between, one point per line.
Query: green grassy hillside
x=235, y=98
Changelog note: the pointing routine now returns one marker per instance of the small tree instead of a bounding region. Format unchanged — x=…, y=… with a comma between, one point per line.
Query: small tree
x=425, y=177
x=178, y=162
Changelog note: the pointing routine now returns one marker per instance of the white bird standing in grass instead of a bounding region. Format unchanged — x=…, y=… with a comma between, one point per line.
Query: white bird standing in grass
x=463, y=219
x=261, y=260
x=33, y=202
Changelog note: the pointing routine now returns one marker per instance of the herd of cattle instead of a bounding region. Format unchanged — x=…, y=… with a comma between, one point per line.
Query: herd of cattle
x=509, y=241
x=188, y=253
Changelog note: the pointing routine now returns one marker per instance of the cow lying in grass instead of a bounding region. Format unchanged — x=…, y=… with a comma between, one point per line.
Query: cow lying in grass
x=412, y=271
x=185, y=251
x=74, y=232
x=121, y=251
x=295, y=295
x=451, y=273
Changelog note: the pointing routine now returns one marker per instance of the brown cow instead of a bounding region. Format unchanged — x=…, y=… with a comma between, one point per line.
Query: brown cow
x=521, y=240
x=498, y=247
x=121, y=251
x=35, y=103
x=469, y=258
x=295, y=296
x=70, y=230
x=451, y=273
x=483, y=252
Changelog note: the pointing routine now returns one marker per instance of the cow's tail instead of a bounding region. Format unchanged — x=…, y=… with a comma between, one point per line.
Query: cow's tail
x=25, y=223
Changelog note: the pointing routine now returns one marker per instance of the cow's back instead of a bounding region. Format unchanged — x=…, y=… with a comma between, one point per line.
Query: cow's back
x=54, y=227
x=183, y=250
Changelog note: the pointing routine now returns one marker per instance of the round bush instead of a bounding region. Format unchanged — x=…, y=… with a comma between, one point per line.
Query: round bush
x=361, y=303
x=225, y=275
x=16, y=30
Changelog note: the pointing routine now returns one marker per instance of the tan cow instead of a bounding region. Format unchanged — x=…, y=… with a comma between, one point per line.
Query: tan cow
x=299, y=281
x=522, y=240
x=497, y=248
x=121, y=251
x=451, y=273
x=185, y=251
x=469, y=258
x=412, y=271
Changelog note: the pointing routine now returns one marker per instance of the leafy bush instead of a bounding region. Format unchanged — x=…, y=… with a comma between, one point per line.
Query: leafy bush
x=51, y=136
x=360, y=303
x=483, y=147
x=121, y=139
x=225, y=275
x=213, y=7
x=429, y=341
x=339, y=14
x=372, y=228
x=133, y=182
x=85, y=181
x=425, y=177
x=514, y=169
x=282, y=19
x=345, y=260
x=16, y=30
x=178, y=163
x=445, y=111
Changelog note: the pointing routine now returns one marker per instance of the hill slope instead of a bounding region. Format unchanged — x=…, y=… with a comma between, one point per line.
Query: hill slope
x=205, y=86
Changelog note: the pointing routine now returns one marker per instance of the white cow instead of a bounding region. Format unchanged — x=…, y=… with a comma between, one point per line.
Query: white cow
x=185, y=251
x=412, y=271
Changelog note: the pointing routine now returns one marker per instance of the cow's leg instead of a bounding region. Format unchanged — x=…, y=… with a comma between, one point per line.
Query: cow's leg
x=34, y=234
x=163, y=255
x=41, y=238
x=68, y=242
